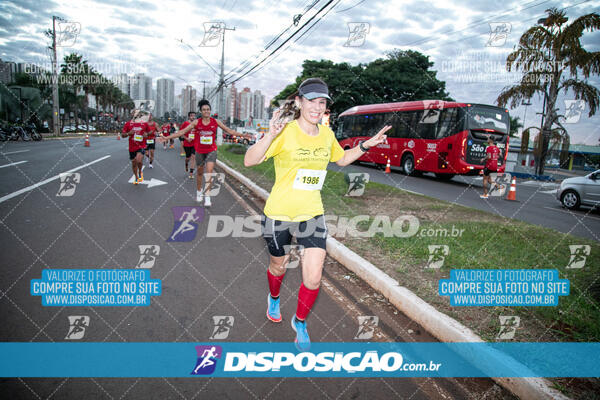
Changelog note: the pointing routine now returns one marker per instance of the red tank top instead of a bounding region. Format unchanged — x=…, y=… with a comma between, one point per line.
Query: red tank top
x=205, y=138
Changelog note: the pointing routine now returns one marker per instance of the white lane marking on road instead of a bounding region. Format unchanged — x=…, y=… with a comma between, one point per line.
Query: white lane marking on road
x=28, y=188
x=151, y=183
x=573, y=213
x=12, y=164
x=14, y=152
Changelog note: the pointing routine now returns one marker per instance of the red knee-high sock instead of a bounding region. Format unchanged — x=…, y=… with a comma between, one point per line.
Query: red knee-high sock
x=274, y=283
x=306, y=299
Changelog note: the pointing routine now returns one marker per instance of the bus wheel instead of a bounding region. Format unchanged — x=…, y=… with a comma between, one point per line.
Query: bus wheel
x=444, y=177
x=408, y=164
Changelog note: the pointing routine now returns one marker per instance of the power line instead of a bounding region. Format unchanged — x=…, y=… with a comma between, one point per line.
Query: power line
x=282, y=44
x=248, y=61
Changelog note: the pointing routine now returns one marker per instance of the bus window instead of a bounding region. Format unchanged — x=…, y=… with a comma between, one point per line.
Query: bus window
x=447, y=124
x=339, y=133
x=427, y=126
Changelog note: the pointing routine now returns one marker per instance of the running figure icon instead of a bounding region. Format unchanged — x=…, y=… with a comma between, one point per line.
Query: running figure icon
x=187, y=218
x=207, y=361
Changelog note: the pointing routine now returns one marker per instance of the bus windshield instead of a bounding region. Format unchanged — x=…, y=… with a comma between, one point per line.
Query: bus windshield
x=487, y=118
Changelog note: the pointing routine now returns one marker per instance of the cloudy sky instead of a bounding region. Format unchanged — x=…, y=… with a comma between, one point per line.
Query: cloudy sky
x=162, y=39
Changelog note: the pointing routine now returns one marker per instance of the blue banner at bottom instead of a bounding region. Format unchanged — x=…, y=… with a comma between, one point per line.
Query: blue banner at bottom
x=238, y=359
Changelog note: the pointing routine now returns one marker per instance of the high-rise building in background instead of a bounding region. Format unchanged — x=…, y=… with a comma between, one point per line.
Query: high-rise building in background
x=188, y=97
x=123, y=82
x=141, y=87
x=165, y=96
x=258, y=105
x=178, y=106
x=245, y=104
x=6, y=74
x=231, y=101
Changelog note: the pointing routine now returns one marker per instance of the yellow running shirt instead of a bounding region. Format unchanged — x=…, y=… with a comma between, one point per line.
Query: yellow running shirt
x=300, y=168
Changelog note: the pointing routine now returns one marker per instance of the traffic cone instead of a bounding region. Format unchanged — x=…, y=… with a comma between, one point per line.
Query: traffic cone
x=512, y=194
x=387, y=167
x=87, y=140
x=118, y=136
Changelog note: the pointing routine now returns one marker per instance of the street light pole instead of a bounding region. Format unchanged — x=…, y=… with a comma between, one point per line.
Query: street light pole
x=55, y=105
x=222, y=75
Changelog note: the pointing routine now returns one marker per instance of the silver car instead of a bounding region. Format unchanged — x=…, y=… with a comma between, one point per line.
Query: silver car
x=581, y=190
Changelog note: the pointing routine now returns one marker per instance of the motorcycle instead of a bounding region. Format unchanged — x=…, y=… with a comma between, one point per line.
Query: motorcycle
x=33, y=133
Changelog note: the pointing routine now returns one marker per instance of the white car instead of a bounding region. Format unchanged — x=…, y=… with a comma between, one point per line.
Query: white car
x=581, y=190
x=69, y=128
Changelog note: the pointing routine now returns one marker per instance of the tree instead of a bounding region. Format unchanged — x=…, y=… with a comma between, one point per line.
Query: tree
x=401, y=76
x=545, y=52
x=515, y=124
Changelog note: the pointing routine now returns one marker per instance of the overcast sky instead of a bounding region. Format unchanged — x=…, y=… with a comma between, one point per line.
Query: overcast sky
x=119, y=36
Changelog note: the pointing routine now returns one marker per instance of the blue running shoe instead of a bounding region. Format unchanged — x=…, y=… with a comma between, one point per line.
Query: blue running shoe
x=302, y=339
x=273, y=312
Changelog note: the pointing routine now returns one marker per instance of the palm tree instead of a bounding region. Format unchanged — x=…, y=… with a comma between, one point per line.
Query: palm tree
x=545, y=52
x=515, y=124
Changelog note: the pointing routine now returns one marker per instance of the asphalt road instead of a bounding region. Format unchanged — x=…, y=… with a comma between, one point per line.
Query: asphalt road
x=536, y=202
x=102, y=224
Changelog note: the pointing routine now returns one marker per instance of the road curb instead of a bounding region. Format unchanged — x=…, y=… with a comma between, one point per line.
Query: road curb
x=443, y=327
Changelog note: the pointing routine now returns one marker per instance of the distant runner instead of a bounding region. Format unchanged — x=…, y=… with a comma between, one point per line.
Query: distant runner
x=491, y=165
x=150, y=145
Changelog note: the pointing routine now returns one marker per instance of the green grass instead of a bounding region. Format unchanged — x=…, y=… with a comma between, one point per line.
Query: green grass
x=487, y=241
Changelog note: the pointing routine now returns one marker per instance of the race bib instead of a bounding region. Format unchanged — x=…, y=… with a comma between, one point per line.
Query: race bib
x=309, y=179
x=206, y=140
x=150, y=141
x=191, y=135
x=138, y=138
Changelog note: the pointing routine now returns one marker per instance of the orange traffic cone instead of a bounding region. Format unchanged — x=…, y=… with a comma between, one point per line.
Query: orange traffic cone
x=87, y=140
x=512, y=194
x=387, y=167
x=118, y=136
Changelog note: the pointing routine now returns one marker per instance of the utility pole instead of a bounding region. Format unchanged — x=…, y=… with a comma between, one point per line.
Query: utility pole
x=55, y=105
x=222, y=75
x=204, y=90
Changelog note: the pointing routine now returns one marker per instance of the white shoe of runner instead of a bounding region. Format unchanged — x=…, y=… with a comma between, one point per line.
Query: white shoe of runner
x=207, y=201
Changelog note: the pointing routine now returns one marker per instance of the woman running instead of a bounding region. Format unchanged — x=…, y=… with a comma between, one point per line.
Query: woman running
x=205, y=143
x=301, y=150
x=150, y=145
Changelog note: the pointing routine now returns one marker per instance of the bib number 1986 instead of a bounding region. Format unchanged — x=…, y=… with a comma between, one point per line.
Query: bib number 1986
x=309, y=179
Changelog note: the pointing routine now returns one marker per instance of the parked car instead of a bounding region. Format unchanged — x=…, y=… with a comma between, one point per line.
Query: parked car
x=581, y=190
x=69, y=128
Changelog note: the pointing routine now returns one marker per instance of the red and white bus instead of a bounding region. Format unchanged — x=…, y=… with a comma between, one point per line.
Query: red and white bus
x=447, y=138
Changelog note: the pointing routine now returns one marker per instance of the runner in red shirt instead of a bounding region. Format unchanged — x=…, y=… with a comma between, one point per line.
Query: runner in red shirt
x=205, y=143
x=491, y=165
x=188, y=144
x=165, y=131
x=137, y=130
x=150, y=145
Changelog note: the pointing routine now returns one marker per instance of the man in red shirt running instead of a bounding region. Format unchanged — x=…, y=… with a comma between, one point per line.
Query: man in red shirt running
x=150, y=145
x=137, y=130
x=205, y=143
x=188, y=145
x=165, y=131
x=491, y=165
